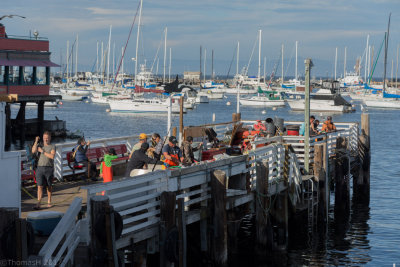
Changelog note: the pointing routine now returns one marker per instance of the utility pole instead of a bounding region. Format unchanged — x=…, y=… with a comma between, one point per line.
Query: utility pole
x=309, y=65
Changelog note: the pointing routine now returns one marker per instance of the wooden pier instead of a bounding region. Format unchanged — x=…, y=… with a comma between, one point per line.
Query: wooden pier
x=148, y=219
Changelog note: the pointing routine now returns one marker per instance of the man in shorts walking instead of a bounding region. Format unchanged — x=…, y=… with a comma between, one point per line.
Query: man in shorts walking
x=45, y=167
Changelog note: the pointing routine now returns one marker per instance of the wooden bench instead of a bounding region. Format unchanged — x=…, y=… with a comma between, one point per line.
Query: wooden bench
x=96, y=156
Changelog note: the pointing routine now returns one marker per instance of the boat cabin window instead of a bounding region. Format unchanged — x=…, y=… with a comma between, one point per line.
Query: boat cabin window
x=2, y=73
x=28, y=75
x=41, y=75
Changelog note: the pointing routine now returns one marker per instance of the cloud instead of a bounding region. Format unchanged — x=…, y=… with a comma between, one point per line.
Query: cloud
x=109, y=12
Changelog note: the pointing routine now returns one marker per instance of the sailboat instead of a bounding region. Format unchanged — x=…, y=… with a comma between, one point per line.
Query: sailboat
x=386, y=100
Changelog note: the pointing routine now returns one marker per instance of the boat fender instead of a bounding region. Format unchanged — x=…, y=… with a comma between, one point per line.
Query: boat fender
x=100, y=227
x=9, y=241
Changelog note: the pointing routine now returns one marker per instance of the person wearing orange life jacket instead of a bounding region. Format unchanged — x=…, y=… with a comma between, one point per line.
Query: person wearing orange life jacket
x=259, y=126
x=172, y=153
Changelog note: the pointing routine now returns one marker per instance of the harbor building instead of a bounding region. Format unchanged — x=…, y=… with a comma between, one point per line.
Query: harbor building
x=25, y=79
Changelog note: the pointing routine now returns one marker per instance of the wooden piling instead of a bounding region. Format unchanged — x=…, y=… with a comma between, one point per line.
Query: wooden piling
x=342, y=186
x=8, y=126
x=8, y=217
x=98, y=206
x=219, y=242
x=236, y=117
x=181, y=221
x=110, y=234
x=174, y=131
x=361, y=183
x=262, y=203
x=167, y=221
x=40, y=113
x=319, y=176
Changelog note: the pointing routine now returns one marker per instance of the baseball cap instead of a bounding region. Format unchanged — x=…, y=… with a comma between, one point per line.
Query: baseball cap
x=173, y=140
x=329, y=118
x=143, y=136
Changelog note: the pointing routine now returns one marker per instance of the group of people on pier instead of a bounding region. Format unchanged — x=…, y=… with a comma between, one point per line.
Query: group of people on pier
x=327, y=127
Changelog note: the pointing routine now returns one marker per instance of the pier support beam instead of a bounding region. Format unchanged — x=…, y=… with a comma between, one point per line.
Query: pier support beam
x=361, y=183
x=236, y=117
x=21, y=123
x=98, y=206
x=40, y=113
x=167, y=222
x=319, y=176
x=262, y=203
x=8, y=127
x=219, y=240
x=342, y=186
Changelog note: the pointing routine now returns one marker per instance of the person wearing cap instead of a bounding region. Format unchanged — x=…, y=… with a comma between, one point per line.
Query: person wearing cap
x=139, y=159
x=187, y=151
x=106, y=166
x=328, y=125
x=142, y=139
x=172, y=153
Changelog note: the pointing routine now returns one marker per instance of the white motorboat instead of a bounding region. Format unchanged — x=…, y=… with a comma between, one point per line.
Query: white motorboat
x=391, y=103
x=262, y=101
x=141, y=106
x=202, y=99
x=211, y=94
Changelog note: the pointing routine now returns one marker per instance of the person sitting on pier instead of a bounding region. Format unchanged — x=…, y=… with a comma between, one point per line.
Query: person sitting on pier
x=45, y=168
x=172, y=153
x=137, y=146
x=328, y=125
x=314, y=127
x=139, y=160
x=303, y=126
x=82, y=159
x=187, y=151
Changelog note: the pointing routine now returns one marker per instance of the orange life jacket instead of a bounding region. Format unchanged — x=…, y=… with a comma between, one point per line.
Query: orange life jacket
x=259, y=126
x=170, y=162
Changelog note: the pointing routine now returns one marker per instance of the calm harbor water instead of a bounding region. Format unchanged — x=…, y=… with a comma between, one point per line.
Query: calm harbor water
x=370, y=236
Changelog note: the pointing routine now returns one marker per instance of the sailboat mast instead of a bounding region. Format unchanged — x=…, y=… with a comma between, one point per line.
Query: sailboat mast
x=265, y=66
x=200, y=66
x=76, y=57
x=366, y=56
x=212, y=65
x=67, y=61
x=295, y=74
x=397, y=64
x=169, y=69
x=237, y=59
x=122, y=65
x=259, y=56
x=108, y=54
x=137, y=39
x=97, y=59
x=335, y=62
x=165, y=51
x=345, y=59
x=113, y=61
x=282, y=65
x=386, y=50
x=205, y=58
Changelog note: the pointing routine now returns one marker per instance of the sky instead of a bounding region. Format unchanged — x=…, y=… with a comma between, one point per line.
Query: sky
x=318, y=26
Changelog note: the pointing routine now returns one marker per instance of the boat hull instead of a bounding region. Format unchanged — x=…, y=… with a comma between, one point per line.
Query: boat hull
x=319, y=106
x=262, y=102
x=382, y=103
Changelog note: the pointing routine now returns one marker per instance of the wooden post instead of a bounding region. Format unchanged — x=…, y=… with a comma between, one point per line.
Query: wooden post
x=181, y=120
x=181, y=221
x=319, y=176
x=21, y=122
x=40, y=118
x=8, y=126
x=342, y=187
x=98, y=206
x=261, y=202
x=219, y=240
x=236, y=117
x=361, y=183
x=110, y=233
x=8, y=217
x=167, y=221
x=174, y=131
